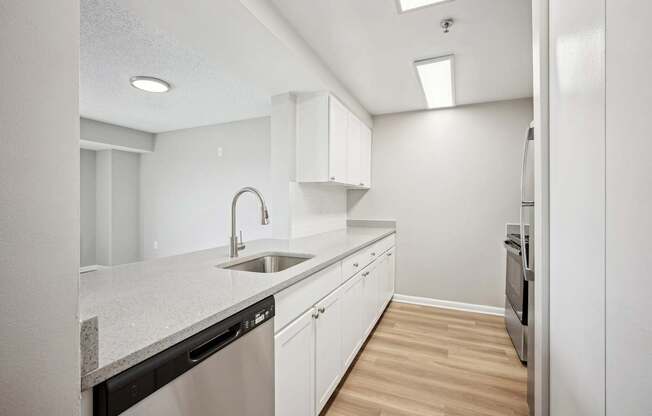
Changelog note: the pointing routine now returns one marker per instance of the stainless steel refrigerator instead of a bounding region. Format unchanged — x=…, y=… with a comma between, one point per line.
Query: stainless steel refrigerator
x=527, y=229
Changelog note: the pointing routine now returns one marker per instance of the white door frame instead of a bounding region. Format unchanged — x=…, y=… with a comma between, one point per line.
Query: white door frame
x=540, y=43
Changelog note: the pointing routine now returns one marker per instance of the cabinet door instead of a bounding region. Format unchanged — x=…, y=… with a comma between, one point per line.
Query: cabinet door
x=338, y=131
x=382, y=270
x=353, y=156
x=391, y=273
x=386, y=269
x=365, y=156
x=352, y=318
x=295, y=367
x=371, y=292
x=328, y=348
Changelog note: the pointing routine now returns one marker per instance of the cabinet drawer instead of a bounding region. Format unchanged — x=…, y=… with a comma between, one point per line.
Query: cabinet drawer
x=385, y=244
x=351, y=265
x=296, y=299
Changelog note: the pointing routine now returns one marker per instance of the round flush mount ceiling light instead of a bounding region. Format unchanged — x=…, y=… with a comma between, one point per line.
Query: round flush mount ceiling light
x=149, y=84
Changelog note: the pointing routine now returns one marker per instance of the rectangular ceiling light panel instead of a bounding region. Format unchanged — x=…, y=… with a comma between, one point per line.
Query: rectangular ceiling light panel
x=405, y=5
x=437, y=81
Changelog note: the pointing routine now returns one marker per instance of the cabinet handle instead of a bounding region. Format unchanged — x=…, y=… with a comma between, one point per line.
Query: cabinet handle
x=356, y=265
x=332, y=178
x=321, y=309
x=361, y=183
x=365, y=274
x=373, y=254
x=315, y=315
x=389, y=254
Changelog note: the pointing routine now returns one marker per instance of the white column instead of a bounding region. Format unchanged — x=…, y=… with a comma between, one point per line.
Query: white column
x=282, y=163
x=577, y=207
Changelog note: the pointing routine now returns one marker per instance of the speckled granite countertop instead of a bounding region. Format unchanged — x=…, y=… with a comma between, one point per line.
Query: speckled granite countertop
x=144, y=308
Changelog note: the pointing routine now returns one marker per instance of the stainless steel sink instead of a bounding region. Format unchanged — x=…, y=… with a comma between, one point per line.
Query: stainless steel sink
x=266, y=262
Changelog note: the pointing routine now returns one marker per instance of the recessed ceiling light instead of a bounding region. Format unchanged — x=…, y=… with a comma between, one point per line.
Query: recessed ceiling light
x=437, y=81
x=405, y=5
x=149, y=84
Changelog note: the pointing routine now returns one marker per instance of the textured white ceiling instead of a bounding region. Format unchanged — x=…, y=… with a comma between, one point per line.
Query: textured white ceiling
x=223, y=64
x=371, y=47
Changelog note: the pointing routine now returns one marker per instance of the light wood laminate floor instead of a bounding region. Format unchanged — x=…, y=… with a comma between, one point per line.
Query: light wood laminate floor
x=435, y=362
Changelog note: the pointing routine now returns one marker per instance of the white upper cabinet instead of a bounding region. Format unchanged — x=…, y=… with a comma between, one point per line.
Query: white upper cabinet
x=339, y=132
x=353, y=154
x=333, y=145
x=365, y=156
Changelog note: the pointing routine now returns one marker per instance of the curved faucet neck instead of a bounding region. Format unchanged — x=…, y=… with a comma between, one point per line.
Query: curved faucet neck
x=264, y=215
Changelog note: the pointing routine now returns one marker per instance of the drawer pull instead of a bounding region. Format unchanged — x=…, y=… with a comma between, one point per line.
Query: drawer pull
x=321, y=309
x=373, y=254
x=365, y=274
x=389, y=254
x=356, y=265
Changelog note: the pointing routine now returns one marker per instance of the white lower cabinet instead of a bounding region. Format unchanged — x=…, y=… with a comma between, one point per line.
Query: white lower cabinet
x=386, y=272
x=390, y=282
x=328, y=347
x=352, y=322
x=371, y=289
x=294, y=350
x=314, y=350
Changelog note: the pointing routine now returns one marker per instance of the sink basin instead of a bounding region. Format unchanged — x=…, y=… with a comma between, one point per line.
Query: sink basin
x=266, y=262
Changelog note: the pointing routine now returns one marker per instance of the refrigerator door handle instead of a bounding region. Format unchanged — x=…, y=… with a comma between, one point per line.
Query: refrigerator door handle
x=527, y=271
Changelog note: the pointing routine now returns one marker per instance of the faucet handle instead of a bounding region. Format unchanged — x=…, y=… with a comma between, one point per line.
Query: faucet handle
x=239, y=242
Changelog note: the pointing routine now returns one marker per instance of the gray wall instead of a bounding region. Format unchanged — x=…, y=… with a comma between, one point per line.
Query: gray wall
x=100, y=135
x=117, y=220
x=451, y=179
x=87, y=207
x=187, y=186
x=125, y=200
x=39, y=200
x=103, y=207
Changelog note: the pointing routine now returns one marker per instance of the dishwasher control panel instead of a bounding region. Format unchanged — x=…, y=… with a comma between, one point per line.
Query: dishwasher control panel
x=258, y=316
x=124, y=390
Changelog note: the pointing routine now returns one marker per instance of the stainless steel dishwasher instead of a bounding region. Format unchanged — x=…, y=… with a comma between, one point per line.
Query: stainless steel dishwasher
x=225, y=370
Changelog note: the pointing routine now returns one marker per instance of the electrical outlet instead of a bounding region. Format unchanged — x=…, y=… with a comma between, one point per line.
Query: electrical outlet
x=219, y=152
x=155, y=245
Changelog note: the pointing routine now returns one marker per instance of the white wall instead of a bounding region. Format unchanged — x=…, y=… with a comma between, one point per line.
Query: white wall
x=628, y=207
x=87, y=207
x=39, y=203
x=317, y=208
x=450, y=178
x=577, y=207
x=187, y=186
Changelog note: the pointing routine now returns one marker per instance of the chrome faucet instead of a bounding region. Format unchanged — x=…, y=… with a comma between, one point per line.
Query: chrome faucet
x=264, y=218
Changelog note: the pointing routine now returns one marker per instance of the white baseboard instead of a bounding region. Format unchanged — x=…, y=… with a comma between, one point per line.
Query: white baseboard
x=85, y=269
x=446, y=304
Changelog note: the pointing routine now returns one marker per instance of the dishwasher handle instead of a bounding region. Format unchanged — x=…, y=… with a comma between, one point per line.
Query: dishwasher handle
x=215, y=344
